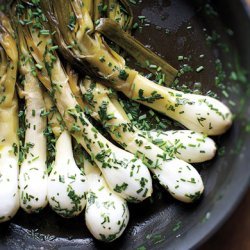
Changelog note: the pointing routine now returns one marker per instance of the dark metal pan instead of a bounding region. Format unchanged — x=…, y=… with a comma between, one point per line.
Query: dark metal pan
x=177, y=27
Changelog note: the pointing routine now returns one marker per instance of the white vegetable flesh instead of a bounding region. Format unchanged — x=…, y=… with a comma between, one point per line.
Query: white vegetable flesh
x=33, y=178
x=123, y=172
x=196, y=112
x=67, y=184
x=33, y=173
x=106, y=214
x=180, y=178
x=9, y=142
x=186, y=145
x=9, y=168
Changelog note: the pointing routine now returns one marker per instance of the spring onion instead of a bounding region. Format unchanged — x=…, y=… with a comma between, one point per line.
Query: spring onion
x=196, y=112
x=122, y=170
x=184, y=144
x=106, y=213
x=9, y=142
x=180, y=178
x=67, y=184
x=33, y=178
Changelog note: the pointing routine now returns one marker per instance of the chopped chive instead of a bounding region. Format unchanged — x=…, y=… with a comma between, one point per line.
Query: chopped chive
x=199, y=69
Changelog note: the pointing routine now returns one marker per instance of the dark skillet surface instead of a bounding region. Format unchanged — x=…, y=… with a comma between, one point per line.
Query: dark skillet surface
x=166, y=223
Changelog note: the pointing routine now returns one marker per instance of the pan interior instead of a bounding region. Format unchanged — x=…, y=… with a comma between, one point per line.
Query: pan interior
x=174, y=29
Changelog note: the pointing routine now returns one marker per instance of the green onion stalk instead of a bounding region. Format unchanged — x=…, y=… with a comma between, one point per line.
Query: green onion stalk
x=70, y=189
x=9, y=141
x=33, y=178
x=106, y=213
x=67, y=184
x=124, y=173
x=85, y=49
x=180, y=178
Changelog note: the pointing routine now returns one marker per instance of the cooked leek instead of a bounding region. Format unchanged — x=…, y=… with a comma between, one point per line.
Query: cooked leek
x=89, y=5
x=107, y=214
x=196, y=112
x=116, y=12
x=178, y=177
x=67, y=184
x=33, y=178
x=184, y=144
x=98, y=8
x=124, y=173
x=113, y=31
x=9, y=142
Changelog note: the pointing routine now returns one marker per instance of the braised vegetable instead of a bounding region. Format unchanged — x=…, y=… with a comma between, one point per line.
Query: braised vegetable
x=85, y=167
x=187, y=145
x=118, y=10
x=67, y=184
x=123, y=172
x=196, y=112
x=70, y=188
x=113, y=31
x=106, y=214
x=9, y=142
x=33, y=178
x=180, y=178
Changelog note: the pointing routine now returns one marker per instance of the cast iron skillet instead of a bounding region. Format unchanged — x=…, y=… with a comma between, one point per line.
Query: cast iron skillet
x=166, y=223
